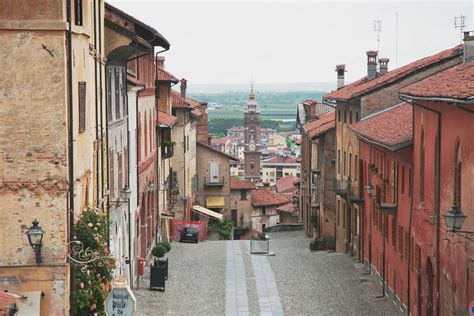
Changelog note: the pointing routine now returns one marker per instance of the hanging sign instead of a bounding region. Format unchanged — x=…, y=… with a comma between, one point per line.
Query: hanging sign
x=120, y=301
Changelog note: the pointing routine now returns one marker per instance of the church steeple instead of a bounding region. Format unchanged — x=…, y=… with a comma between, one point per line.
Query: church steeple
x=251, y=93
x=252, y=137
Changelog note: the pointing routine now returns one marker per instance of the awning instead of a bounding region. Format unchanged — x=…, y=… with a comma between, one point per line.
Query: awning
x=207, y=212
x=215, y=201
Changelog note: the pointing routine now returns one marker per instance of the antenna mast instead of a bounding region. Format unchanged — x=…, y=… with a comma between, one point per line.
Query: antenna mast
x=396, y=41
x=460, y=23
x=378, y=29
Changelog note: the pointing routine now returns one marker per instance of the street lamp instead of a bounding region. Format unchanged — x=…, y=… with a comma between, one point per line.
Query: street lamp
x=151, y=186
x=370, y=189
x=125, y=193
x=454, y=219
x=35, y=238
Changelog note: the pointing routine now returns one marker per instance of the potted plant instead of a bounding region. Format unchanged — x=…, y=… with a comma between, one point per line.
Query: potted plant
x=158, y=270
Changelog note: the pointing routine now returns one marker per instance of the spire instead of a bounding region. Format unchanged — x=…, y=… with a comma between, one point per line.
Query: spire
x=251, y=94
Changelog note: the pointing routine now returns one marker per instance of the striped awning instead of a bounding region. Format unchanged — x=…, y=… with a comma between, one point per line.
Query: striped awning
x=205, y=211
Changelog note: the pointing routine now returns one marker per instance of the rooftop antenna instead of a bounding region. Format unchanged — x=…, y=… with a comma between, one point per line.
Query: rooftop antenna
x=460, y=23
x=396, y=41
x=378, y=29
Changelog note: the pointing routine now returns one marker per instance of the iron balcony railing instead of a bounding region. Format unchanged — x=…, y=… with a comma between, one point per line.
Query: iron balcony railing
x=214, y=181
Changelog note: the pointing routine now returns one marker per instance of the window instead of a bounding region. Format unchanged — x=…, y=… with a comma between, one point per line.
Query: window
x=344, y=215
x=345, y=163
x=350, y=165
x=213, y=172
x=410, y=182
x=111, y=174
x=350, y=117
x=407, y=245
x=82, y=106
x=385, y=224
x=243, y=194
x=339, y=161
x=264, y=210
x=339, y=115
x=345, y=116
x=422, y=167
x=394, y=232
x=457, y=176
x=357, y=116
x=356, y=163
x=117, y=93
x=394, y=195
x=78, y=12
x=403, y=179
x=108, y=86
x=338, y=212
x=400, y=240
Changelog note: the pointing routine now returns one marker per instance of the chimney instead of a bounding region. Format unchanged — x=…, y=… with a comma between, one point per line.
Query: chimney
x=383, y=65
x=340, y=69
x=184, y=85
x=371, y=64
x=160, y=62
x=468, y=46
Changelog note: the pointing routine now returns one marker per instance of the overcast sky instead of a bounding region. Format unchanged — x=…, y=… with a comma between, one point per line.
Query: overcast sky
x=294, y=41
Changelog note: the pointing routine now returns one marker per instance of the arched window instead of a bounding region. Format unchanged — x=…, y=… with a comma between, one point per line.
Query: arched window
x=457, y=175
x=422, y=167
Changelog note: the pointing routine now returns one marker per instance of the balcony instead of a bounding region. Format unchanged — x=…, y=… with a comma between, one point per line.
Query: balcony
x=214, y=181
x=389, y=208
x=167, y=150
x=341, y=187
x=355, y=198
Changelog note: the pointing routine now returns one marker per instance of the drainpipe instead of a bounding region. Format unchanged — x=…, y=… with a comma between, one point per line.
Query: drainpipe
x=70, y=149
x=437, y=193
x=102, y=132
x=96, y=109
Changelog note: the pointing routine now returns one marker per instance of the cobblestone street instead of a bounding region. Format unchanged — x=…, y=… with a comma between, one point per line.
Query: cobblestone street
x=221, y=278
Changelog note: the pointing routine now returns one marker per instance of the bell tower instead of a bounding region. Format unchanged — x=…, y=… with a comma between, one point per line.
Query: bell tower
x=252, y=138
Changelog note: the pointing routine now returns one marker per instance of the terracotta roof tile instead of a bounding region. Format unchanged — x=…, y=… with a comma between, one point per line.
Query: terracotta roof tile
x=165, y=76
x=287, y=208
x=363, y=85
x=320, y=126
x=454, y=83
x=210, y=148
x=266, y=197
x=236, y=184
x=280, y=160
x=196, y=113
x=165, y=119
x=391, y=128
x=134, y=81
x=178, y=101
x=286, y=184
x=219, y=140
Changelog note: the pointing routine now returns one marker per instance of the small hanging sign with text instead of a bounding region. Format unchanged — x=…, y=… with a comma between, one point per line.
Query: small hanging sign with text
x=120, y=301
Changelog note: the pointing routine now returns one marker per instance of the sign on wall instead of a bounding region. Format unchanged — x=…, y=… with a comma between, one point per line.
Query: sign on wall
x=120, y=301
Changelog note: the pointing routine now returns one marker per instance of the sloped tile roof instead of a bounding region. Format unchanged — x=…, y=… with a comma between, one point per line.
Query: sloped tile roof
x=219, y=140
x=287, y=208
x=363, y=85
x=236, y=184
x=178, y=101
x=165, y=119
x=196, y=113
x=320, y=126
x=134, y=81
x=286, y=184
x=266, y=197
x=453, y=83
x=280, y=160
x=391, y=128
x=166, y=76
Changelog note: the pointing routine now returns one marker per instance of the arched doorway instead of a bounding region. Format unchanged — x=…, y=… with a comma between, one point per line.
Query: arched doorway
x=429, y=287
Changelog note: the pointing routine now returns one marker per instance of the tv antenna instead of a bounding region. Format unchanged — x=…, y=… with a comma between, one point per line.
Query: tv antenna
x=378, y=29
x=460, y=23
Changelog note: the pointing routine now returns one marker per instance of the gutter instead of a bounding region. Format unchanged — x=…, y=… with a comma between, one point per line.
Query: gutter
x=408, y=98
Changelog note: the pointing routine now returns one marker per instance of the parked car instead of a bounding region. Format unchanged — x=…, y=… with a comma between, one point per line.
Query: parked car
x=190, y=234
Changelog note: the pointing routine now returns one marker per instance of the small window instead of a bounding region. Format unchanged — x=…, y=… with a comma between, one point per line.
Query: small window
x=357, y=116
x=264, y=210
x=243, y=194
x=350, y=117
x=78, y=12
x=339, y=115
x=345, y=116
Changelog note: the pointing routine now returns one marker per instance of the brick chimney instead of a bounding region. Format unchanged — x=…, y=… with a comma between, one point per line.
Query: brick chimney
x=468, y=46
x=383, y=62
x=371, y=64
x=160, y=62
x=340, y=69
x=184, y=85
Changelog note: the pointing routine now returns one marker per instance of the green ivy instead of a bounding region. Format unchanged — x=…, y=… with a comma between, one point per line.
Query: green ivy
x=92, y=283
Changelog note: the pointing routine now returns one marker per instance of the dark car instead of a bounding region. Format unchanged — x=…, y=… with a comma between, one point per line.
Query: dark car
x=190, y=234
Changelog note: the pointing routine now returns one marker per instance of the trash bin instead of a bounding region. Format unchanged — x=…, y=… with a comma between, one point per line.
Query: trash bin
x=157, y=277
x=164, y=264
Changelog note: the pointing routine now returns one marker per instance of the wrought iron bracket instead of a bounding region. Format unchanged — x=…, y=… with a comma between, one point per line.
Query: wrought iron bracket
x=460, y=233
x=81, y=257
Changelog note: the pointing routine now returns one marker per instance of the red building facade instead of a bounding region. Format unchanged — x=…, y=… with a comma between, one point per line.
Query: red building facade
x=386, y=167
x=443, y=278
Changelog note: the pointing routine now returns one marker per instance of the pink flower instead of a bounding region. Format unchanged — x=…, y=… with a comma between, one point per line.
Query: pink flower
x=81, y=285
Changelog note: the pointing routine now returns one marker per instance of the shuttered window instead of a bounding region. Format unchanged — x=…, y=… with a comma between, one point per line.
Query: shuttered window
x=111, y=174
x=400, y=240
x=213, y=172
x=394, y=232
x=82, y=106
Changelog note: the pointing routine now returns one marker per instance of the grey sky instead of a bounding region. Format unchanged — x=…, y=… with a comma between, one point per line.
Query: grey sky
x=297, y=41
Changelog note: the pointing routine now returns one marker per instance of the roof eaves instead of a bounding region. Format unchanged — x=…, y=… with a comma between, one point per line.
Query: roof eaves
x=409, y=98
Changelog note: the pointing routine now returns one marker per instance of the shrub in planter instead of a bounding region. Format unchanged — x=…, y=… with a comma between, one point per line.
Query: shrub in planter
x=159, y=251
x=167, y=245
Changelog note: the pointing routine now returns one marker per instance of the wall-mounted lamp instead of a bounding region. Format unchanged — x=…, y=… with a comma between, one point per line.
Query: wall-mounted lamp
x=370, y=189
x=151, y=186
x=35, y=237
x=125, y=194
x=454, y=219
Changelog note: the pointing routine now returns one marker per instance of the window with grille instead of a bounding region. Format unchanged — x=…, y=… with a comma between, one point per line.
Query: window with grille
x=407, y=245
x=82, y=106
x=78, y=12
x=400, y=240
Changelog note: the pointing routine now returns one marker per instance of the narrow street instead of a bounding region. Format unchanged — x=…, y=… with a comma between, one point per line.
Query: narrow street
x=221, y=277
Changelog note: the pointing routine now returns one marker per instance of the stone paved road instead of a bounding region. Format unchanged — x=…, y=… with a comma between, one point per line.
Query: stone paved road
x=221, y=278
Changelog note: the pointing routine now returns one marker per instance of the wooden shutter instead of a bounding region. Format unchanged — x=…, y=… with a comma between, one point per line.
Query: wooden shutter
x=213, y=172
x=82, y=106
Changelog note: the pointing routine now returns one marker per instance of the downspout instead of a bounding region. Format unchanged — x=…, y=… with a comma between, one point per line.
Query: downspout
x=410, y=222
x=102, y=132
x=96, y=109
x=70, y=150
x=437, y=197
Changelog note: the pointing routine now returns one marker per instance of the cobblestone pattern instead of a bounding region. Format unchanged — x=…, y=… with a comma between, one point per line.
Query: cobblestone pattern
x=321, y=283
x=196, y=283
x=236, y=300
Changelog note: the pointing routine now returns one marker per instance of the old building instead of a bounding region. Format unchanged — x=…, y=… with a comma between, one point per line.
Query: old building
x=265, y=204
x=213, y=179
x=167, y=195
x=52, y=140
x=372, y=93
x=252, y=138
x=443, y=169
x=277, y=167
x=183, y=162
x=317, y=179
x=241, y=206
x=386, y=154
